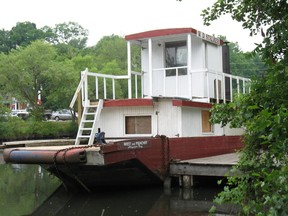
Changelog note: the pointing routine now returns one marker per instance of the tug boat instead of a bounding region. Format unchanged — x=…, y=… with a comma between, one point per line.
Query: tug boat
x=165, y=116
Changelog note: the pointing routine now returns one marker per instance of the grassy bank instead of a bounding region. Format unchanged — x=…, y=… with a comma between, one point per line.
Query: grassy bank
x=18, y=129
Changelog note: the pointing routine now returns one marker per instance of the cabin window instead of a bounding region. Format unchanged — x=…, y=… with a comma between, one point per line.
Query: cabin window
x=138, y=125
x=206, y=125
x=176, y=56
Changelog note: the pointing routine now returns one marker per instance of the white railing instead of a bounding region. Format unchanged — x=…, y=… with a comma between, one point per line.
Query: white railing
x=199, y=84
x=91, y=82
x=236, y=85
x=163, y=82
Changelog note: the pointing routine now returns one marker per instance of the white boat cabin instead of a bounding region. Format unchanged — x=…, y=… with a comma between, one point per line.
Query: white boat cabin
x=183, y=71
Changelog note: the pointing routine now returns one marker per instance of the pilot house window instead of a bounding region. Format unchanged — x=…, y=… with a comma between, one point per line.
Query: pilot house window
x=138, y=125
x=176, y=56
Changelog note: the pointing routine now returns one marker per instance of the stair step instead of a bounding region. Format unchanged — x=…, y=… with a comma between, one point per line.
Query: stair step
x=85, y=128
x=86, y=121
x=89, y=113
x=84, y=136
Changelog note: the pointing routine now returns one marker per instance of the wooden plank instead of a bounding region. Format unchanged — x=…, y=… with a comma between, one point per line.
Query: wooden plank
x=224, y=159
x=219, y=165
x=206, y=126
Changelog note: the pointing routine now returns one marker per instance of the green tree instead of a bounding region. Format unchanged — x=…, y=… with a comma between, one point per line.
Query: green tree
x=26, y=70
x=60, y=85
x=82, y=62
x=70, y=33
x=5, y=42
x=24, y=33
x=34, y=70
x=257, y=15
x=245, y=64
x=111, y=48
x=261, y=188
x=111, y=58
x=20, y=35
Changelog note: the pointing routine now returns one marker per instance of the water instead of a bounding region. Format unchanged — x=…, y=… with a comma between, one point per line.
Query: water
x=29, y=190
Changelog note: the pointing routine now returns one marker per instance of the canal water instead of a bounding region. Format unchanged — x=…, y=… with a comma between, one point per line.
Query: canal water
x=30, y=190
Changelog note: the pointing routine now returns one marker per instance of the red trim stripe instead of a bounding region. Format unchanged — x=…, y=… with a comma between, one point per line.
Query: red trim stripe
x=128, y=102
x=191, y=104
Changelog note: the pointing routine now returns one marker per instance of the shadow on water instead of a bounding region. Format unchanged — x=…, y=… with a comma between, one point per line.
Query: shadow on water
x=136, y=201
x=29, y=190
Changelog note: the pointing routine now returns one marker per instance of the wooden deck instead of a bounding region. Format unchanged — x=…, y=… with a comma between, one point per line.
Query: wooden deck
x=219, y=165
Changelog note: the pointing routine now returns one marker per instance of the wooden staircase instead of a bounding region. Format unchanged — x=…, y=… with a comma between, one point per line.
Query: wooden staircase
x=89, y=121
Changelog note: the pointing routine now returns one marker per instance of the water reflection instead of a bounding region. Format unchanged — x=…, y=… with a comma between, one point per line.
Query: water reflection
x=28, y=190
x=23, y=188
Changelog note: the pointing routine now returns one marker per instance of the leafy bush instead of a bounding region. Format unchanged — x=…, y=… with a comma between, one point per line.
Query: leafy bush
x=17, y=129
x=261, y=188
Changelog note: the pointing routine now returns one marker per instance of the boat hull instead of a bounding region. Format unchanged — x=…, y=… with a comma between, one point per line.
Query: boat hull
x=90, y=177
x=128, y=162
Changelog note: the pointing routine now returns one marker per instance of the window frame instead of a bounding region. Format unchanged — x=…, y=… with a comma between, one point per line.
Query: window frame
x=138, y=134
x=176, y=45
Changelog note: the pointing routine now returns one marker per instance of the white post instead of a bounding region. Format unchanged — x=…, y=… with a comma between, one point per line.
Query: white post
x=224, y=87
x=238, y=86
x=113, y=88
x=86, y=89
x=177, y=82
x=231, y=89
x=136, y=86
x=129, y=69
x=208, y=86
x=150, y=67
x=104, y=86
x=96, y=87
x=217, y=88
x=164, y=82
x=189, y=64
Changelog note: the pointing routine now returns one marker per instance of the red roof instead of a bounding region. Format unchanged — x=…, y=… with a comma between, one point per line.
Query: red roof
x=160, y=32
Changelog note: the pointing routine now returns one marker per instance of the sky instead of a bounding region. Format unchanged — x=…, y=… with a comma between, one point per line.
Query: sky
x=123, y=17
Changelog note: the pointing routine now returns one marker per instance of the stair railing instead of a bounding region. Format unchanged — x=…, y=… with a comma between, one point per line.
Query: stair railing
x=80, y=86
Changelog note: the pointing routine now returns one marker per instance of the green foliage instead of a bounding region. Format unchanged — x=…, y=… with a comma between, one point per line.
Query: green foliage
x=111, y=48
x=36, y=68
x=256, y=15
x=111, y=58
x=26, y=70
x=5, y=42
x=245, y=64
x=24, y=33
x=260, y=188
x=17, y=129
x=36, y=65
x=60, y=85
x=70, y=33
x=80, y=63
